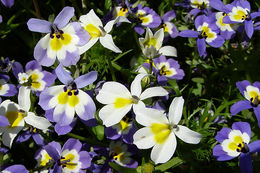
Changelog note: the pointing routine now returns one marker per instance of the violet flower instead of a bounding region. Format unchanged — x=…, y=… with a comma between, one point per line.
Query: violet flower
x=169, y=27
x=62, y=39
x=252, y=95
x=15, y=169
x=6, y=89
x=235, y=142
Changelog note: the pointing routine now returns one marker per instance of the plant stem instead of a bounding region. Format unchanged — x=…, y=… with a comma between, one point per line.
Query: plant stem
x=37, y=9
x=111, y=69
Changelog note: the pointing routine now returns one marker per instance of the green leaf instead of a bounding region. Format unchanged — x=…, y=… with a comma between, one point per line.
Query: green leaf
x=174, y=162
x=198, y=80
x=122, y=169
x=99, y=131
x=108, y=4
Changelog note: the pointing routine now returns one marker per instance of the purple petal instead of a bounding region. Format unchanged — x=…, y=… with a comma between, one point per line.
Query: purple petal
x=218, y=42
x=72, y=144
x=49, y=78
x=257, y=84
x=223, y=134
x=3, y=121
x=1, y=19
x=62, y=130
x=32, y=65
x=38, y=139
x=239, y=106
x=64, y=17
x=81, y=33
x=244, y=4
x=249, y=27
x=220, y=154
x=90, y=123
x=12, y=90
x=244, y=127
x=245, y=163
x=16, y=168
x=200, y=20
x=217, y=4
x=24, y=137
x=49, y=115
x=57, y=169
x=71, y=58
x=85, y=159
x=63, y=119
x=139, y=29
x=86, y=79
x=17, y=68
x=63, y=75
x=38, y=25
x=254, y=146
x=169, y=16
x=5, y=77
x=53, y=149
x=90, y=110
x=194, y=12
x=44, y=99
x=189, y=33
x=241, y=85
x=254, y=15
x=257, y=113
x=111, y=133
x=227, y=20
x=8, y=3
x=201, y=44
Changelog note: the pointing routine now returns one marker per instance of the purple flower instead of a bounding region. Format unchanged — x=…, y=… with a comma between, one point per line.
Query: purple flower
x=252, y=95
x=235, y=142
x=31, y=132
x=64, y=101
x=169, y=27
x=199, y=6
x=6, y=89
x=69, y=158
x=62, y=41
x=15, y=169
x=207, y=32
x=5, y=64
x=33, y=77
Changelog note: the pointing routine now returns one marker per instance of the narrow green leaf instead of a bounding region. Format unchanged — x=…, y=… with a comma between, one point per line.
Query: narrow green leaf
x=174, y=162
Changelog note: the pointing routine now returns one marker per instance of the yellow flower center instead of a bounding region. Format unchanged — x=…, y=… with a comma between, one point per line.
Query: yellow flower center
x=255, y=97
x=122, y=102
x=59, y=40
x=45, y=160
x=93, y=31
x=122, y=11
x=161, y=132
x=118, y=154
x=69, y=96
x=67, y=161
x=164, y=71
x=14, y=118
x=124, y=123
x=241, y=15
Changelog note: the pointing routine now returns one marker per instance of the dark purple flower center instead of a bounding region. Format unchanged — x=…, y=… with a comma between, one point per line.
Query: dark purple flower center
x=71, y=88
x=55, y=31
x=242, y=148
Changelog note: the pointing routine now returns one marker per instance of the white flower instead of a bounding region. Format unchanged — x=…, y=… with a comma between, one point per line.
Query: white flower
x=152, y=44
x=159, y=131
x=17, y=114
x=119, y=100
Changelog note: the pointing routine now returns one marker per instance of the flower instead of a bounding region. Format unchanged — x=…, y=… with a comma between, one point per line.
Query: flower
x=33, y=77
x=31, y=132
x=119, y=100
x=152, y=44
x=226, y=30
x=168, y=26
x=252, y=95
x=6, y=89
x=62, y=41
x=159, y=131
x=199, y=6
x=71, y=158
x=15, y=169
x=207, y=32
x=94, y=26
x=17, y=114
x=235, y=142
x=64, y=101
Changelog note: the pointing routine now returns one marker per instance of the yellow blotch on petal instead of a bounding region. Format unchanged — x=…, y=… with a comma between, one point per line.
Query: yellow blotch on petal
x=36, y=85
x=14, y=118
x=122, y=12
x=122, y=102
x=144, y=19
x=64, y=98
x=124, y=124
x=161, y=132
x=73, y=100
x=93, y=31
x=68, y=161
x=118, y=154
x=1, y=87
x=150, y=42
x=254, y=95
x=241, y=15
x=57, y=43
x=236, y=144
x=45, y=160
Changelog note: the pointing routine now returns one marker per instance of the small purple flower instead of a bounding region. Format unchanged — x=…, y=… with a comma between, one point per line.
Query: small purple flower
x=169, y=27
x=64, y=101
x=145, y=17
x=252, y=95
x=207, y=32
x=6, y=89
x=235, y=142
x=62, y=39
x=15, y=169
x=34, y=76
x=69, y=158
x=31, y=132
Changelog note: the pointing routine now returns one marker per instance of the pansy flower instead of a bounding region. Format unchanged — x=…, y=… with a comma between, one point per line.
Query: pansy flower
x=62, y=40
x=6, y=89
x=33, y=77
x=17, y=115
x=252, y=94
x=207, y=32
x=159, y=131
x=69, y=158
x=240, y=12
x=151, y=45
x=119, y=100
x=15, y=169
x=226, y=30
x=235, y=142
x=145, y=17
x=64, y=101
x=91, y=23
x=169, y=28
x=199, y=6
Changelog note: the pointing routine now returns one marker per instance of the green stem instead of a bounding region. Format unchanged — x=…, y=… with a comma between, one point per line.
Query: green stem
x=111, y=69
x=150, y=66
x=87, y=140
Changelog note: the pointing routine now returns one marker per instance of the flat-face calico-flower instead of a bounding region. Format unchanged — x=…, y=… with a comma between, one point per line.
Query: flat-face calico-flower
x=62, y=40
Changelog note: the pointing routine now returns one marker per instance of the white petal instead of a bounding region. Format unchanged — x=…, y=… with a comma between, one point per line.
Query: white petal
x=175, y=110
x=147, y=116
x=109, y=26
x=159, y=35
x=187, y=135
x=162, y=153
x=168, y=51
x=87, y=46
x=120, y=19
x=92, y=18
x=24, y=98
x=153, y=92
x=10, y=134
x=107, y=42
x=144, y=138
x=112, y=90
x=111, y=116
x=37, y=121
x=136, y=87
